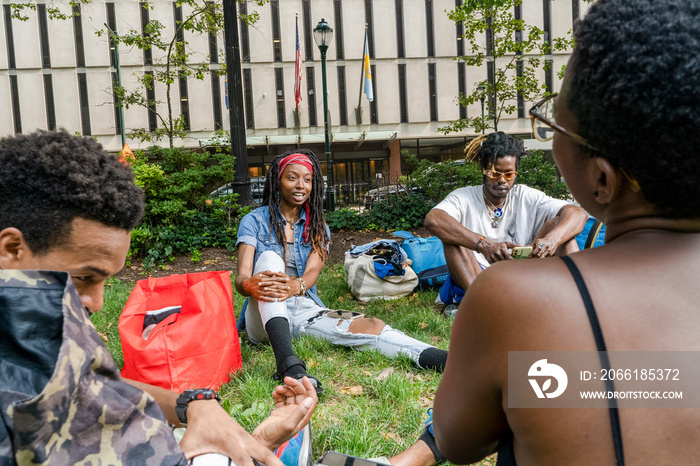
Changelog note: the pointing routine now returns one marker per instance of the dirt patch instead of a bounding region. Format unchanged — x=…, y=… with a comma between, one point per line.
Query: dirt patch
x=214, y=259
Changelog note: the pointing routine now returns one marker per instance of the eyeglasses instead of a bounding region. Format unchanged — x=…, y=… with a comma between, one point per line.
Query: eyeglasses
x=496, y=175
x=544, y=124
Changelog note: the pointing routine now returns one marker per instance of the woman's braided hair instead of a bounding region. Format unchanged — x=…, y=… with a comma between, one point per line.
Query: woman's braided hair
x=635, y=94
x=318, y=236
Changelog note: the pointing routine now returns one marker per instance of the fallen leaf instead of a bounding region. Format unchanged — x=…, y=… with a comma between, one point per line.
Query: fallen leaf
x=367, y=372
x=341, y=299
x=352, y=391
x=423, y=325
x=311, y=364
x=104, y=337
x=385, y=373
x=110, y=324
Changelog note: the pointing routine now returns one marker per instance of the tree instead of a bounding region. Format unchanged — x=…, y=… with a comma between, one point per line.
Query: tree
x=514, y=52
x=203, y=18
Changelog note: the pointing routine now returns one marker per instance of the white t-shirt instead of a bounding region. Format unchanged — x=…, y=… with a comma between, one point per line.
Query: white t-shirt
x=527, y=210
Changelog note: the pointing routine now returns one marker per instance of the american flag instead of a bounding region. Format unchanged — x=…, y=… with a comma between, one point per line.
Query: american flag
x=297, y=71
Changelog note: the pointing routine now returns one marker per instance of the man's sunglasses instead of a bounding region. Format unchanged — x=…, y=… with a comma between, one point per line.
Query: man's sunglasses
x=496, y=175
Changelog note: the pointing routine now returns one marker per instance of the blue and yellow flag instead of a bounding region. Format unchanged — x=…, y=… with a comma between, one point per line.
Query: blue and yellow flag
x=369, y=92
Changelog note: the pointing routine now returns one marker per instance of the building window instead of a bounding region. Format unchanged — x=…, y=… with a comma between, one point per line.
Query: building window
x=308, y=30
x=432, y=92
x=549, y=76
x=429, y=27
x=400, y=49
x=403, y=99
x=342, y=97
x=184, y=100
x=147, y=53
x=310, y=80
x=44, y=36
x=370, y=30
x=338, y=30
x=575, y=9
x=276, y=39
x=279, y=85
x=216, y=101
x=460, y=32
x=151, y=104
x=78, y=33
x=491, y=77
x=84, y=104
x=547, y=26
x=50, y=106
x=521, y=99
x=245, y=37
x=213, y=46
x=248, y=99
x=462, y=83
x=16, y=116
x=9, y=38
x=112, y=23
x=373, y=115
x=117, y=119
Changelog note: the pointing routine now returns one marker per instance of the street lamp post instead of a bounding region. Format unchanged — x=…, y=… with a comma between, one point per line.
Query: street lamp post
x=323, y=34
x=482, y=98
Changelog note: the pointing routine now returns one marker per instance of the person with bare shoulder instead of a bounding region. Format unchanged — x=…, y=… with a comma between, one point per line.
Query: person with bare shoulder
x=626, y=142
x=479, y=225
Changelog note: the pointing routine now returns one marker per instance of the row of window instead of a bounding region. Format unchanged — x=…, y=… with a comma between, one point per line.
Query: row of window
x=245, y=56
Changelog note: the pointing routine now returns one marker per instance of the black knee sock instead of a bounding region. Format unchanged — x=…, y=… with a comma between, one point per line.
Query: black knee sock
x=433, y=358
x=280, y=338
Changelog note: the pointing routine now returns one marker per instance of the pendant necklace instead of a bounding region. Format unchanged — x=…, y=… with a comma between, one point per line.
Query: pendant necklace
x=495, y=213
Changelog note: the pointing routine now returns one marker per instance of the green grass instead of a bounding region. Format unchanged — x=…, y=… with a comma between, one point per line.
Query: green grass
x=386, y=419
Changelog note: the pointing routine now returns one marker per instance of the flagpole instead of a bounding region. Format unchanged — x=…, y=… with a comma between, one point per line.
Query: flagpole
x=358, y=109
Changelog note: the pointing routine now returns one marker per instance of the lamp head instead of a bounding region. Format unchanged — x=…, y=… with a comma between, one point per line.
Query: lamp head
x=323, y=34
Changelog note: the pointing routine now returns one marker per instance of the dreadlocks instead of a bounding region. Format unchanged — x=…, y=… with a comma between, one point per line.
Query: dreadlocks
x=318, y=235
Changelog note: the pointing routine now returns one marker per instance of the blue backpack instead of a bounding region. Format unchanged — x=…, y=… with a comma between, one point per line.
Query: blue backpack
x=428, y=258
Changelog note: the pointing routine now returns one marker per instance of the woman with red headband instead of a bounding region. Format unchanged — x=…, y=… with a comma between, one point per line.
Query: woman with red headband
x=281, y=249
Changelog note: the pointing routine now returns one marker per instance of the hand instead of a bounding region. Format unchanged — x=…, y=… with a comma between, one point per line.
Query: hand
x=211, y=430
x=495, y=252
x=543, y=247
x=294, y=404
x=268, y=286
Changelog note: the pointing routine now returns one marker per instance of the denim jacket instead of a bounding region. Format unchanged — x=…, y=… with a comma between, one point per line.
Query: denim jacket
x=255, y=230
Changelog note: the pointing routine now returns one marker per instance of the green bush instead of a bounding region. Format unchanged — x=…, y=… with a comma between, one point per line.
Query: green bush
x=400, y=211
x=346, y=219
x=180, y=217
x=437, y=180
x=538, y=173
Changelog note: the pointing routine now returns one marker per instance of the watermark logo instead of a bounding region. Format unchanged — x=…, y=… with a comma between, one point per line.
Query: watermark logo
x=542, y=369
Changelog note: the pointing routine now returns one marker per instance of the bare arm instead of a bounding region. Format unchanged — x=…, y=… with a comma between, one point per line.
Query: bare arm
x=450, y=231
x=570, y=220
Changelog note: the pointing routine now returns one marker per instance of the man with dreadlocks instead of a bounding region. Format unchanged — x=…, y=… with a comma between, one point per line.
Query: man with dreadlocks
x=478, y=225
x=281, y=249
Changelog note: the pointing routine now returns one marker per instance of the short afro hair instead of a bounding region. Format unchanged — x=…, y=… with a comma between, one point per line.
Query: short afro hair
x=48, y=178
x=635, y=93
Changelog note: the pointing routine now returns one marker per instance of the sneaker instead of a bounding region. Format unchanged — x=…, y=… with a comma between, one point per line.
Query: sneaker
x=450, y=312
x=297, y=450
x=429, y=438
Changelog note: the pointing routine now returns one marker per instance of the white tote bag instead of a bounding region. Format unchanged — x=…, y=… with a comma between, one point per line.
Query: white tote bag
x=365, y=284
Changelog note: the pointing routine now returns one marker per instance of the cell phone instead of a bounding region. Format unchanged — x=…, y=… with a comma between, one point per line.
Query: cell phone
x=332, y=458
x=521, y=252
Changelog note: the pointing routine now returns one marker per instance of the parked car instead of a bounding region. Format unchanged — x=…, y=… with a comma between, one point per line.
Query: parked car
x=379, y=194
x=257, y=185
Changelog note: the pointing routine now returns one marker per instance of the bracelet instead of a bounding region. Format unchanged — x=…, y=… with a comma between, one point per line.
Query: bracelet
x=476, y=246
x=302, y=286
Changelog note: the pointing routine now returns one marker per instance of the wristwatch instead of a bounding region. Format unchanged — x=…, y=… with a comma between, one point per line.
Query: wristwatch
x=191, y=395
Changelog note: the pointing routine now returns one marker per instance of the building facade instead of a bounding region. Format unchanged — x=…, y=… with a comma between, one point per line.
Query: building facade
x=59, y=73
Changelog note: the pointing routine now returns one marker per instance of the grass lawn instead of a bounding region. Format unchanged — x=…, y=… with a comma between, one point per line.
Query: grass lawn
x=384, y=412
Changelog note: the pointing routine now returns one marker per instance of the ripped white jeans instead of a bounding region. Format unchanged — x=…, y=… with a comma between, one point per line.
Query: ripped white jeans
x=305, y=317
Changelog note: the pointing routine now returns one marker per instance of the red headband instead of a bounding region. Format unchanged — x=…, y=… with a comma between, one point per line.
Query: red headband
x=301, y=159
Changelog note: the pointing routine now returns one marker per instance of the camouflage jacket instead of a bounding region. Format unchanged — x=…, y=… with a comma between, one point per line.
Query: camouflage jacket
x=62, y=399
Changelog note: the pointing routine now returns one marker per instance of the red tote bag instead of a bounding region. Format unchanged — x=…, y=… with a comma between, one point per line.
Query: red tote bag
x=197, y=347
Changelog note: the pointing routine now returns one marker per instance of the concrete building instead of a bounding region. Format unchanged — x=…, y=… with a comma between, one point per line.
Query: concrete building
x=58, y=74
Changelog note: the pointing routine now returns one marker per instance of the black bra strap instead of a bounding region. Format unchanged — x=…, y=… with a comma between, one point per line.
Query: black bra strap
x=604, y=360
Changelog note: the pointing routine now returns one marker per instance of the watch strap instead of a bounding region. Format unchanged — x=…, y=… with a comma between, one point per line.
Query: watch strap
x=191, y=395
